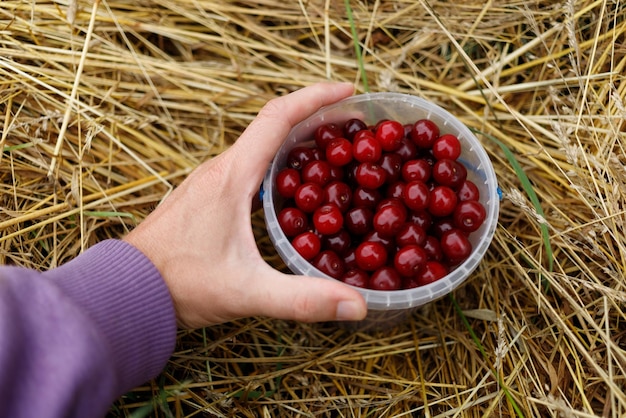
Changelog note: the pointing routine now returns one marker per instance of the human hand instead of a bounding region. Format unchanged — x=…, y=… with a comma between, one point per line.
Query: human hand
x=200, y=238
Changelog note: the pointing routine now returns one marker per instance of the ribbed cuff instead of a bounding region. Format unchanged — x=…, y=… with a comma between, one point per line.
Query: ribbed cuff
x=125, y=296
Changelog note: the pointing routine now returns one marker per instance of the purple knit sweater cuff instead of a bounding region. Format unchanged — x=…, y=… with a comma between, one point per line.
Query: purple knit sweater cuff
x=127, y=300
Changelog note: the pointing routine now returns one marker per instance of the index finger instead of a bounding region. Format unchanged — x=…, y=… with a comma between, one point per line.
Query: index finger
x=258, y=144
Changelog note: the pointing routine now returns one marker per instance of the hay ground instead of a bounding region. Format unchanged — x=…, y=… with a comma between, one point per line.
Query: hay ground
x=131, y=95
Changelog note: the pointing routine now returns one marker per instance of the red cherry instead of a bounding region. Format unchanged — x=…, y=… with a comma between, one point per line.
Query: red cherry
x=339, y=152
x=362, y=133
x=328, y=219
x=325, y=133
x=359, y=220
x=407, y=150
x=409, y=260
x=366, y=148
x=468, y=191
x=424, y=133
x=449, y=173
x=298, y=157
x=309, y=197
x=421, y=218
x=352, y=127
x=418, y=169
x=316, y=172
x=416, y=195
x=330, y=263
x=338, y=193
x=370, y=175
x=385, y=278
x=368, y=198
x=307, y=244
x=442, y=225
x=433, y=248
x=339, y=242
x=292, y=221
x=370, y=255
x=287, y=182
x=390, y=134
x=455, y=246
x=392, y=164
x=469, y=215
x=389, y=219
x=442, y=201
x=411, y=234
x=387, y=242
x=447, y=146
x=357, y=278
x=432, y=271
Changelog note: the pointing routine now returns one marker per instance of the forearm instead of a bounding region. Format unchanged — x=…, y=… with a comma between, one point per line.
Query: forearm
x=76, y=337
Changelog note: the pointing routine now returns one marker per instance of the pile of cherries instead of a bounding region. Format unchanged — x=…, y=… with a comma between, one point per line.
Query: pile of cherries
x=382, y=207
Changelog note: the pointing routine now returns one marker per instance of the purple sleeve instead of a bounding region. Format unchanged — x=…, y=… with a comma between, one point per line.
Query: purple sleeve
x=75, y=338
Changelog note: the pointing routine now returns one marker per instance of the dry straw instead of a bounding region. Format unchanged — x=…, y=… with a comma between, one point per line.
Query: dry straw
x=106, y=106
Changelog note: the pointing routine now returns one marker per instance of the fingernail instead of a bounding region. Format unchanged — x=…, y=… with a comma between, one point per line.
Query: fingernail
x=348, y=310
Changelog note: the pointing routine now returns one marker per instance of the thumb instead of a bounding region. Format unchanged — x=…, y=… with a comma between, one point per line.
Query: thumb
x=305, y=299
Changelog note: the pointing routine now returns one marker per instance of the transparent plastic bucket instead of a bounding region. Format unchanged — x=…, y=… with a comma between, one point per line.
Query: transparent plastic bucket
x=387, y=307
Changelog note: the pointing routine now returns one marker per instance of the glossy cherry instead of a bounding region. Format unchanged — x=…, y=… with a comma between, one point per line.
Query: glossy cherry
x=424, y=133
x=328, y=219
x=447, y=146
x=366, y=148
x=370, y=255
x=298, y=157
x=442, y=201
x=339, y=152
x=416, y=195
x=325, y=133
x=330, y=263
x=309, y=197
x=356, y=277
x=456, y=246
x=385, y=278
x=469, y=215
x=432, y=271
x=368, y=198
x=359, y=220
x=411, y=234
x=416, y=169
x=370, y=175
x=339, y=193
x=352, y=127
x=449, y=173
x=409, y=260
x=389, y=219
x=293, y=221
x=390, y=134
x=316, y=172
x=339, y=242
x=307, y=244
x=392, y=164
x=468, y=191
x=287, y=182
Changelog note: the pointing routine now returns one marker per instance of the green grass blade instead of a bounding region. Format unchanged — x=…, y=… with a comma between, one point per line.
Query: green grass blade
x=530, y=191
x=357, y=47
x=106, y=214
